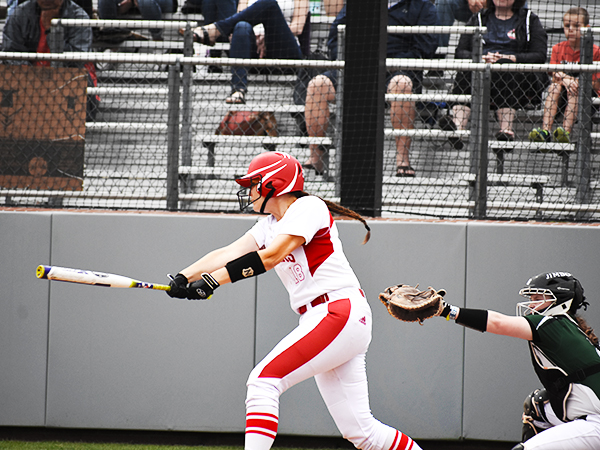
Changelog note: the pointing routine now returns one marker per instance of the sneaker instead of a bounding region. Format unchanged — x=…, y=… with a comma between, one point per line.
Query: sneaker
x=561, y=135
x=539, y=135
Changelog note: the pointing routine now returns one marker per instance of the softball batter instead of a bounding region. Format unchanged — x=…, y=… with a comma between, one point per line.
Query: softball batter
x=565, y=415
x=299, y=239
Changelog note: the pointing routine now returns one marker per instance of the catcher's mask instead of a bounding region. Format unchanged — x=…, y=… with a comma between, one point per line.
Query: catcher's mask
x=561, y=288
x=274, y=174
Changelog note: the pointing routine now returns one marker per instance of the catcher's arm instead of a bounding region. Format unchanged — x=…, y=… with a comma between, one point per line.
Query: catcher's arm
x=490, y=321
x=468, y=317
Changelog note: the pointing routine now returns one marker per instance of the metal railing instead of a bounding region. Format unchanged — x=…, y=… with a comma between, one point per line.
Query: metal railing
x=181, y=170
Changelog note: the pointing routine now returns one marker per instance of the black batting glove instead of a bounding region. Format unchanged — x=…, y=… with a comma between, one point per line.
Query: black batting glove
x=178, y=285
x=446, y=311
x=202, y=289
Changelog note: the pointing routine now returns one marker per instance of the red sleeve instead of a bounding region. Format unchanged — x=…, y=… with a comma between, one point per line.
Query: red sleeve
x=596, y=57
x=555, y=55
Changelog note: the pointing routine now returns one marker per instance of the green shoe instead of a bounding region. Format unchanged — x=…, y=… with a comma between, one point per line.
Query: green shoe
x=539, y=135
x=561, y=135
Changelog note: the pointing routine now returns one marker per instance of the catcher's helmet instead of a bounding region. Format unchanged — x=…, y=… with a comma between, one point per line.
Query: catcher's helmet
x=563, y=288
x=275, y=173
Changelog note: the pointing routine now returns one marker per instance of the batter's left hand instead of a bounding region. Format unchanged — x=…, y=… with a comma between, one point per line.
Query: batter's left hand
x=203, y=288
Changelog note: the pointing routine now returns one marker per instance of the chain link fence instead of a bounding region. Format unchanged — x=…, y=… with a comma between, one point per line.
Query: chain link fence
x=151, y=132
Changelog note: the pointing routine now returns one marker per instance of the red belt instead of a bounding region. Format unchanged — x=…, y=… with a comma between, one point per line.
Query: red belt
x=317, y=301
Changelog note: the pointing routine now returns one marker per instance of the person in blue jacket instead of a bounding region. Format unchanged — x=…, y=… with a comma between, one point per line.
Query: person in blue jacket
x=321, y=89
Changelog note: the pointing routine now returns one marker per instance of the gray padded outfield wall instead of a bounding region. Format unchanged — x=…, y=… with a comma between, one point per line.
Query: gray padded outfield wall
x=91, y=357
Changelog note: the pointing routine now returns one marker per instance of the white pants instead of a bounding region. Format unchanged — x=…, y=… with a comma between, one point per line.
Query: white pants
x=576, y=435
x=329, y=344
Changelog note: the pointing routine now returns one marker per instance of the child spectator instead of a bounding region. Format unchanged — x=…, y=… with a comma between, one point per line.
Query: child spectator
x=566, y=52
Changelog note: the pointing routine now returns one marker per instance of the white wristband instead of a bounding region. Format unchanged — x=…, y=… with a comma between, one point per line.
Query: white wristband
x=454, y=310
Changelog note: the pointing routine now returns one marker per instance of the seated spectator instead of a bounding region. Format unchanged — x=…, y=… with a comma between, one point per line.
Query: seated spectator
x=321, y=89
x=212, y=10
x=87, y=5
x=514, y=35
x=26, y=30
x=149, y=9
x=450, y=10
x=565, y=86
x=282, y=20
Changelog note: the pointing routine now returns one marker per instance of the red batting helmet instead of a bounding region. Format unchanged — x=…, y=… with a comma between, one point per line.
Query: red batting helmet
x=276, y=173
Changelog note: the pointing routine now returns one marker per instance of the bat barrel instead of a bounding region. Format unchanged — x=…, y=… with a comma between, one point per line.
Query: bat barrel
x=42, y=272
x=94, y=278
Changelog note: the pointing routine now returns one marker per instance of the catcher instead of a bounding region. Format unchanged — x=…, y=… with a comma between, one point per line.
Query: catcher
x=565, y=414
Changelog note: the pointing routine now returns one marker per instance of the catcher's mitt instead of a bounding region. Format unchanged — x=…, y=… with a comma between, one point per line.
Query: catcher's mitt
x=409, y=304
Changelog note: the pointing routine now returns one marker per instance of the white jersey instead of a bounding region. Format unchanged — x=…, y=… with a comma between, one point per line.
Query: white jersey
x=317, y=267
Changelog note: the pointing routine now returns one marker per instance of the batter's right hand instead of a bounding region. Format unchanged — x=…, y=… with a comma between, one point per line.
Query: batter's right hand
x=178, y=286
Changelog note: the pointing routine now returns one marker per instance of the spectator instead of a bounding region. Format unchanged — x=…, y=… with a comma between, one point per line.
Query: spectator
x=282, y=20
x=212, y=10
x=566, y=52
x=149, y=9
x=26, y=30
x=321, y=89
x=450, y=10
x=87, y=6
x=514, y=35
x=565, y=415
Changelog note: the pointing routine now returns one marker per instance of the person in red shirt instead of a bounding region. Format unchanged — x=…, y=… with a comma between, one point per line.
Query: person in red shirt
x=566, y=84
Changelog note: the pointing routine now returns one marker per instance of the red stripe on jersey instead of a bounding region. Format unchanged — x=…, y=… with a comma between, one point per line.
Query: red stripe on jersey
x=319, y=248
x=312, y=344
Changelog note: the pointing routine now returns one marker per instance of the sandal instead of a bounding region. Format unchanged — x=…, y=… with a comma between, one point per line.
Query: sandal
x=204, y=39
x=405, y=171
x=237, y=98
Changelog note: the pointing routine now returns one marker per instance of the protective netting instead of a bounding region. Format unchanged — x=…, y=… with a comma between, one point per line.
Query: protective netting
x=138, y=121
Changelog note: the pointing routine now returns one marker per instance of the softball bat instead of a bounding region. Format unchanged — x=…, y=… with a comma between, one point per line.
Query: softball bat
x=95, y=278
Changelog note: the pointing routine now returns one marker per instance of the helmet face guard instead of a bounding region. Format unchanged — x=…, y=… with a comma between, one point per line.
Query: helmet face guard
x=244, y=194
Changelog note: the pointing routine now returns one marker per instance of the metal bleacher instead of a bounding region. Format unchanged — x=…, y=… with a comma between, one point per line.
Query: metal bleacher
x=131, y=127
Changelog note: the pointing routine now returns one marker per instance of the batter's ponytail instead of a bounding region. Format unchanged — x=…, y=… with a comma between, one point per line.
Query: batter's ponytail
x=340, y=210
